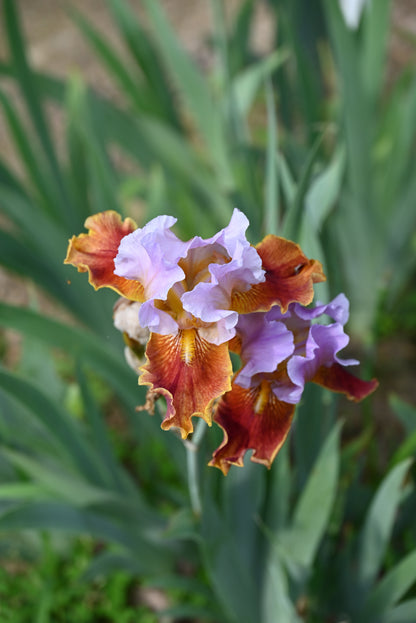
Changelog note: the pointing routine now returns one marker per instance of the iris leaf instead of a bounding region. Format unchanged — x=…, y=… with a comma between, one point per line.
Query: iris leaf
x=379, y=524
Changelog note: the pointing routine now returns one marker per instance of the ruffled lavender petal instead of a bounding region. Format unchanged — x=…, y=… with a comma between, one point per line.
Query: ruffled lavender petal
x=209, y=298
x=337, y=309
x=220, y=331
x=151, y=255
x=321, y=348
x=206, y=301
x=265, y=344
x=330, y=340
x=233, y=239
x=156, y=320
x=315, y=345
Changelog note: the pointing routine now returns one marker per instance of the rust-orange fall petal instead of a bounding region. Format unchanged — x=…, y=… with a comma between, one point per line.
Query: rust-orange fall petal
x=189, y=372
x=338, y=379
x=251, y=419
x=95, y=252
x=289, y=277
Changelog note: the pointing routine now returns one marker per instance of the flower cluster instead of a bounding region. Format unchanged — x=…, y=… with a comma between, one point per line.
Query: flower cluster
x=191, y=303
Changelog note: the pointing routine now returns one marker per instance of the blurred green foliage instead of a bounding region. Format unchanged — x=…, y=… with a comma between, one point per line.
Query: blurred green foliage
x=54, y=589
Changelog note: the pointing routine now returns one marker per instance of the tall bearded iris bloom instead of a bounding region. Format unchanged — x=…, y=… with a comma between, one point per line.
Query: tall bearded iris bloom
x=280, y=352
x=191, y=296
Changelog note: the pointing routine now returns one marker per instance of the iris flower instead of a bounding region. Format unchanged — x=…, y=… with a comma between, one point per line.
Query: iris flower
x=281, y=351
x=192, y=296
x=351, y=11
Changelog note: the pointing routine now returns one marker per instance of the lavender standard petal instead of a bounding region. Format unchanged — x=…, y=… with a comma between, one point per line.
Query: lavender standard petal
x=323, y=344
x=337, y=309
x=156, y=320
x=264, y=345
x=233, y=239
x=220, y=331
x=151, y=255
x=208, y=299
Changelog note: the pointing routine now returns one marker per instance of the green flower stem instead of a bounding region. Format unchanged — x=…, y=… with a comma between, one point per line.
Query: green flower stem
x=192, y=448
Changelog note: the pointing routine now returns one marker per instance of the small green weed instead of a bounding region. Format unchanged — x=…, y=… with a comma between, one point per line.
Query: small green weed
x=53, y=591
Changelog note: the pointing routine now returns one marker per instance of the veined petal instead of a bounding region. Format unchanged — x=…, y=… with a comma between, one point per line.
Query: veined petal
x=217, y=267
x=251, y=419
x=233, y=239
x=263, y=345
x=290, y=276
x=157, y=320
x=338, y=379
x=189, y=372
x=95, y=252
x=338, y=309
x=319, y=349
x=151, y=255
x=221, y=331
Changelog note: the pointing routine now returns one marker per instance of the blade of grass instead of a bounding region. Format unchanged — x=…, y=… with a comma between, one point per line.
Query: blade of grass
x=300, y=541
x=148, y=141
x=378, y=526
x=143, y=50
x=130, y=85
x=272, y=207
x=247, y=83
x=239, y=39
x=375, y=29
x=107, y=361
x=78, y=180
x=61, y=516
x=29, y=156
x=29, y=263
x=294, y=215
x=116, y=476
x=389, y=590
x=79, y=343
x=31, y=94
x=55, y=420
x=193, y=87
x=46, y=238
x=403, y=613
x=356, y=114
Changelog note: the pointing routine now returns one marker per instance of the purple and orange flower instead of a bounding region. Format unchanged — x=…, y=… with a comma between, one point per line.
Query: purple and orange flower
x=200, y=299
x=280, y=352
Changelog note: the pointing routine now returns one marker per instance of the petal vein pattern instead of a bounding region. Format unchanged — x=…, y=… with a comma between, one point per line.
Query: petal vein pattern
x=251, y=419
x=151, y=255
x=289, y=277
x=192, y=282
x=189, y=372
x=280, y=352
x=95, y=253
x=193, y=302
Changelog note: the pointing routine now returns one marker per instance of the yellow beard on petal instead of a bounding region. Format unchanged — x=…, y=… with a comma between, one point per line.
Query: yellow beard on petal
x=188, y=337
x=262, y=398
x=189, y=372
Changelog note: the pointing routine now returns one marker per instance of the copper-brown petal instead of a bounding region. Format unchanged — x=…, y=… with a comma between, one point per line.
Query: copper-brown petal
x=289, y=277
x=251, y=419
x=95, y=252
x=189, y=372
x=338, y=379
